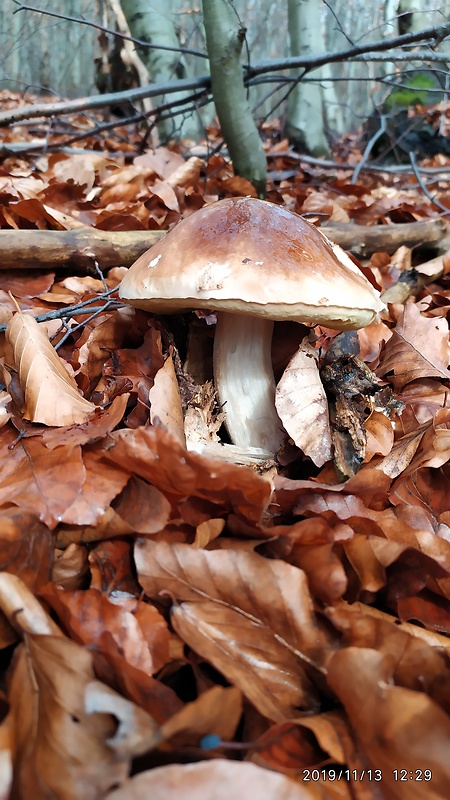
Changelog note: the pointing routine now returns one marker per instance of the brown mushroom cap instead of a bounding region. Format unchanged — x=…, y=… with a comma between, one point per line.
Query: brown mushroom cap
x=251, y=257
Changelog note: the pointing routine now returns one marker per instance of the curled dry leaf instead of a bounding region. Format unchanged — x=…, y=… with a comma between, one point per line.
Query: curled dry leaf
x=418, y=348
x=145, y=509
x=249, y=655
x=390, y=721
x=51, y=394
x=207, y=531
x=138, y=631
x=44, y=482
x=22, y=609
x=166, y=401
x=380, y=435
x=59, y=750
x=215, y=780
x=251, y=617
x=216, y=711
x=156, y=455
x=302, y=405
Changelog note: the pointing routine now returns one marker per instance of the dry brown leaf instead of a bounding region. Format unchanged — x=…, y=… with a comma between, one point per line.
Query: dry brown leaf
x=217, y=711
x=402, y=453
x=270, y=591
x=59, y=749
x=215, y=780
x=380, y=435
x=418, y=348
x=434, y=447
x=258, y=617
x=397, y=728
x=207, y=531
x=51, y=395
x=155, y=455
x=145, y=509
x=71, y=567
x=22, y=609
x=250, y=657
x=44, y=482
x=166, y=401
x=422, y=399
x=101, y=337
x=302, y=405
x=26, y=547
x=139, y=632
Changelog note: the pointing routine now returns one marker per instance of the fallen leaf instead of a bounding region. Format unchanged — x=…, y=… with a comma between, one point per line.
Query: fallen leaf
x=215, y=780
x=302, y=405
x=418, y=348
x=155, y=455
x=59, y=749
x=145, y=509
x=41, y=481
x=390, y=721
x=51, y=395
x=271, y=617
x=217, y=711
x=87, y=614
x=165, y=401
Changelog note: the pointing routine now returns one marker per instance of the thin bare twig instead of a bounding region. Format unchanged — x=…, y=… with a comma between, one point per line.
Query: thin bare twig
x=425, y=190
x=307, y=63
x=104, y=29
x=370, y=144
x=86, y=307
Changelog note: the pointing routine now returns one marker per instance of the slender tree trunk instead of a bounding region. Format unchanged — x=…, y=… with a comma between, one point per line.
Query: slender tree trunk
x=309, y=102
x=157, y=28
x=224, y=39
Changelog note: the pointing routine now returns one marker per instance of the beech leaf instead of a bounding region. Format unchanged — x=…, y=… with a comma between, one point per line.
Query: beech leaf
x=269, y=593
x=51, y=394
x=418, y=348
x=60, y=750
x=302, y=405
x=154, y=454
x=216, y=780
x=165, y=400
x=247, y=653
x=390, y=723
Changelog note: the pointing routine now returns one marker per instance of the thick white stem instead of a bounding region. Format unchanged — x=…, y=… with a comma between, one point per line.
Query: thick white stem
x=244, y=380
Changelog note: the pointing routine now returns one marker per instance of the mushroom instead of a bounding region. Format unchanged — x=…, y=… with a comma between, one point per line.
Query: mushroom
x=252, y=262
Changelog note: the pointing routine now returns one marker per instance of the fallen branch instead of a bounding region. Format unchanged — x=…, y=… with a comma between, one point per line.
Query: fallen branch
x=76, y=250
x=363, y=240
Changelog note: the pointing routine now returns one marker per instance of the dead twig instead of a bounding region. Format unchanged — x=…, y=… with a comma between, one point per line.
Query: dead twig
x=86, y=307
x=425, y=190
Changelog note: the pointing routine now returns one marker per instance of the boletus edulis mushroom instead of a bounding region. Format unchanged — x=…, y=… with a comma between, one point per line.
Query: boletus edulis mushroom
x=252, y=262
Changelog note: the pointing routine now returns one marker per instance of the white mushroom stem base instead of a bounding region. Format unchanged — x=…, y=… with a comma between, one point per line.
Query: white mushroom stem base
x=244, y=381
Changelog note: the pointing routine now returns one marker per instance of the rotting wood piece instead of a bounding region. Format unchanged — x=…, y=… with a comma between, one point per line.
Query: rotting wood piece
x=363, y=240
x=75, y=250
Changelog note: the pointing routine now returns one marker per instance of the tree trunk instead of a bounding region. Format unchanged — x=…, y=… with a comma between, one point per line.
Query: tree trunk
x=307, y=115
x=157, y=28
x=224, y=39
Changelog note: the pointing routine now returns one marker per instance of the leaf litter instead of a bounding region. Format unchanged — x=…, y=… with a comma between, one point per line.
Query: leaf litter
x=173, y=623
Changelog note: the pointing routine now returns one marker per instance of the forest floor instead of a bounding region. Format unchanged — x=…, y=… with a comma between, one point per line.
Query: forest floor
x=174, y=624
